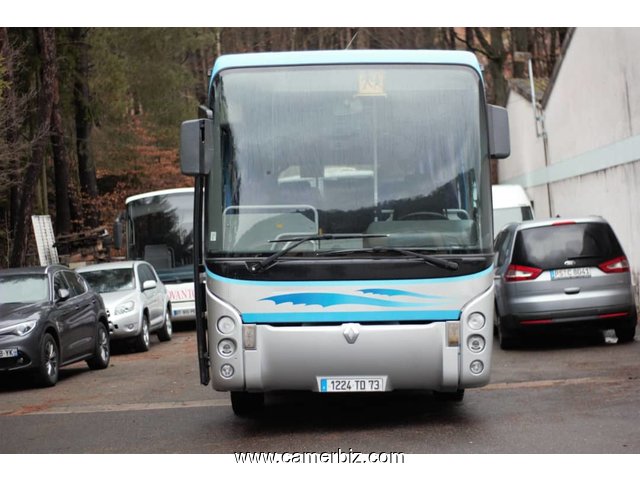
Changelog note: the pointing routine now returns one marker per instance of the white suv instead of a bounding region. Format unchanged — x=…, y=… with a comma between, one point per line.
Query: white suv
x=136, y=300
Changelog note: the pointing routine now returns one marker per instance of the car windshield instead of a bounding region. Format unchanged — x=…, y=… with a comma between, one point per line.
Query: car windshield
x=24, y=288
x=111, y=280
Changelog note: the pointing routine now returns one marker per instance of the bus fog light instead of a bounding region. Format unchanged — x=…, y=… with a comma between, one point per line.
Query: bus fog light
x=226, y=325
x=226, y=370
x=476, y=321
x=226, y=347
x=476, y=367
x=453, y=334
x=249, y=337
x=476, y=343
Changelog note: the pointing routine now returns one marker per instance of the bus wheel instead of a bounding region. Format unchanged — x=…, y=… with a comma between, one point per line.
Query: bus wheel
x=245, y=404
x=456, y=396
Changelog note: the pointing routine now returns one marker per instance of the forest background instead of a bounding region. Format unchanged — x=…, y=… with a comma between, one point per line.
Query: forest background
x=89, y=116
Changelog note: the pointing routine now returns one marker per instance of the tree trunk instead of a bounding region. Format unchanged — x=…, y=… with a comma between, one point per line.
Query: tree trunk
x=520, y=43
x=47, y=52
x=83, y=121
x=60, y=164
x=11, y=125
x=500, y=86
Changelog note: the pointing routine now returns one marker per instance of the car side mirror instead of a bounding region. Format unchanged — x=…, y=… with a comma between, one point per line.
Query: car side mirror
x=149, y=285
x=63, y=294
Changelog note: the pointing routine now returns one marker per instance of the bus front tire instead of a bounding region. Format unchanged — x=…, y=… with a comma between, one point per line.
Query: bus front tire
x=245, y=404
x=456, y=396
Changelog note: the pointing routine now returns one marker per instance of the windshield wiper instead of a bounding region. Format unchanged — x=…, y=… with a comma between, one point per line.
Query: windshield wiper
x=438, y=262
x=267, y=262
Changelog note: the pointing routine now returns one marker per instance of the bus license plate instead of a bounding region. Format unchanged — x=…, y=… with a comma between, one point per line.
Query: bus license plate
x=351, y=384
x=8, y=352
x=570, y=273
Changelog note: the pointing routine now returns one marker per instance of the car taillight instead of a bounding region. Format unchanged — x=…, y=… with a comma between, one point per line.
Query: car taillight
x=517, y=273
x=616, y=265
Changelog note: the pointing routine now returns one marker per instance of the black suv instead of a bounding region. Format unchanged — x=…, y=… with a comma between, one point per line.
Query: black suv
x=49, y=318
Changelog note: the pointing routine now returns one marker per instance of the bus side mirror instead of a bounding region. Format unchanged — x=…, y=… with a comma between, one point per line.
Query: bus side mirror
x=117, y=234
x=196, y=146
x=499, y=143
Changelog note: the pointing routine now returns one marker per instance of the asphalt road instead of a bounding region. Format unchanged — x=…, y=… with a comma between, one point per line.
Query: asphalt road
x=560, y=395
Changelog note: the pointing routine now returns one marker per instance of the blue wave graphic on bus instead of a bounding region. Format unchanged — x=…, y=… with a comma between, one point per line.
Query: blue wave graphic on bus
x=326, y=299
x=390, y=292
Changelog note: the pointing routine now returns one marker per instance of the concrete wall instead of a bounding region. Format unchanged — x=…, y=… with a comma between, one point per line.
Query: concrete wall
x=527, y=151
x=596, y=97
x=592, y=119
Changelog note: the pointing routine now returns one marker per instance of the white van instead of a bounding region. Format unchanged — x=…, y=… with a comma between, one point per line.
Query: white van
x=510, y=204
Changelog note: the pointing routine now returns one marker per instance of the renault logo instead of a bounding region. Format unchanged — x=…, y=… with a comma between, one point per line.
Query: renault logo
x=351, y=332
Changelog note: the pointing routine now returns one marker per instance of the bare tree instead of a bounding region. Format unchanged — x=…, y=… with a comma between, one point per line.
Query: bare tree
x=83, y=126
x=60, y=163
x=47, y=51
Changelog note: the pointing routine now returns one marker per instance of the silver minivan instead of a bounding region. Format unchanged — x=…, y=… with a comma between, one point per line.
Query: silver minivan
x=561, y=273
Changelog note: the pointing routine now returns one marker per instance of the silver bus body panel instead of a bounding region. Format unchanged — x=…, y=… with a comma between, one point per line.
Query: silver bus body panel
x=293, y=353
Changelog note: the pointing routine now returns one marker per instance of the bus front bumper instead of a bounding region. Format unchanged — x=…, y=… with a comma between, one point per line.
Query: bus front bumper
x=403, y=357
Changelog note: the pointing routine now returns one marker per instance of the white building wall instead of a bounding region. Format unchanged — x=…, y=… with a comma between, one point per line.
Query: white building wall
x=596, y=97
x=527, y=151
x=592, y=119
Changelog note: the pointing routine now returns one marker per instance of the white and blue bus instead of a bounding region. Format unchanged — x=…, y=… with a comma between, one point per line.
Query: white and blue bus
x=159, y=230
x=343, y=223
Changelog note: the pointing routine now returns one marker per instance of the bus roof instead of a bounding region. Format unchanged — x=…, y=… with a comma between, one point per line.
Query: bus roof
x=333, y=57
x=169, y=191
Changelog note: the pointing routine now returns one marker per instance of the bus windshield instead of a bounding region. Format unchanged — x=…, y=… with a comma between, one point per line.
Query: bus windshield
x=161, y=232
x=397, y=153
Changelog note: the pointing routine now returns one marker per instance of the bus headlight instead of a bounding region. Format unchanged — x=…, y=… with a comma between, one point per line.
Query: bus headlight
x=227, y=370
x=226, y=325
x=226, y=347
x=476, y=343
x=476, y=367
x=476, y=321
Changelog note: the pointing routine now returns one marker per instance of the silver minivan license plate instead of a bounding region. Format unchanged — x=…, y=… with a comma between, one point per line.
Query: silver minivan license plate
x=582, y=272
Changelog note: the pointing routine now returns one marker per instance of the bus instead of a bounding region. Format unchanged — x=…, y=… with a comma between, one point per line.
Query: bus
x=159, y=229
x=343, y=223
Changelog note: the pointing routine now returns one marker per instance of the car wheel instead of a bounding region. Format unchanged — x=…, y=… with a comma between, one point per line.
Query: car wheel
x=626, y=334
x=456, y=396
x=245, y=404
x=47, y=373
x=166, y=332
x=143, y=340
x=102, y=354
x=506, y=340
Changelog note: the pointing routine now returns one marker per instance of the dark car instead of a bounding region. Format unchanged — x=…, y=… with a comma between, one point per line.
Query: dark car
x=49, y=318
x=562, y=274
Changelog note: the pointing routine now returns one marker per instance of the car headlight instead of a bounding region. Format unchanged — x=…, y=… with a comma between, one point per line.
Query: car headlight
x=21, y=329
x=124, y=308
